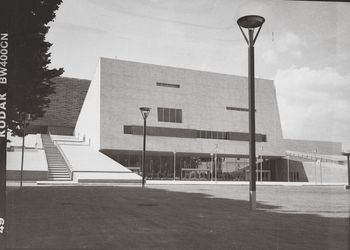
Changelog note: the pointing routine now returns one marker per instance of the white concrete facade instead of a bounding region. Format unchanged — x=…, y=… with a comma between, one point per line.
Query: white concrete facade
x=119, y=88
x=88, y=123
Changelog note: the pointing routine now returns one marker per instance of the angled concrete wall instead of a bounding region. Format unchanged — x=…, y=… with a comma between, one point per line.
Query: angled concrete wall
x=313, y=172
x=88, y=124
x=309, y=146
x=64, y=107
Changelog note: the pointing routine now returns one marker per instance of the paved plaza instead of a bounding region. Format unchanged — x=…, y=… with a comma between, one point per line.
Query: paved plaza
x=178, y=217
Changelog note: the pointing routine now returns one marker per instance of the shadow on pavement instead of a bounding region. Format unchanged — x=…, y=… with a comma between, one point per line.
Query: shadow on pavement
x=135, y=218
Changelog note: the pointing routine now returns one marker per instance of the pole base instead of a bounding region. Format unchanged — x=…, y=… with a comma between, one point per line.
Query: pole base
x=252, y=199
x=347, y=187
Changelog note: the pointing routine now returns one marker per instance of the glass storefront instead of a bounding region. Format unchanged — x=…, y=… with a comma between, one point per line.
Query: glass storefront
x=160, y=166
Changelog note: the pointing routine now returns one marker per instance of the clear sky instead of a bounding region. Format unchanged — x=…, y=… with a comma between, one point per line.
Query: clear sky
x=303, y=47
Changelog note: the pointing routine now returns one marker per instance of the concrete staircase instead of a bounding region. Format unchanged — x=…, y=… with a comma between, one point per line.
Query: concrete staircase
x=57, y=166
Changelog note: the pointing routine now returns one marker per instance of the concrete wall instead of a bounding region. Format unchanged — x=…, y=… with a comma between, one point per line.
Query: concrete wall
x=326, y=172
x=203, y=98
x=307, y=146
x=309, y=171
x=31, y=141
x=34, y=165
x=88, y=124
x=64, y=108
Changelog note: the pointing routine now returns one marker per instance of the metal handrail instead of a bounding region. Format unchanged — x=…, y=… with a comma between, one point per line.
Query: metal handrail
x=313, y=157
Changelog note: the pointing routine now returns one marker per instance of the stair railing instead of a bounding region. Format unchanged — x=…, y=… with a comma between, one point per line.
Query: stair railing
x=313, y=157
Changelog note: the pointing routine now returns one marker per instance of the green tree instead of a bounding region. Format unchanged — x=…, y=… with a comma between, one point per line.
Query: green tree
x=29, y=78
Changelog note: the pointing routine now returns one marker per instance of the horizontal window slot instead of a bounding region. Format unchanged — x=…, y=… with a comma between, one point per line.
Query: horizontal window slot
x=169, y=85
x=238, y=109
x=191, y=133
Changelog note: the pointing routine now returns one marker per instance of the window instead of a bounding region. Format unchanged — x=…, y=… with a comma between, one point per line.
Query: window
x=166, y=115
x=162, y=84
x=178, y=113
x=172, y=115
x=189, y=133
x=223, y=135
x=209, y=134
x=169, y=115
x=160, y=114
x=238, y=109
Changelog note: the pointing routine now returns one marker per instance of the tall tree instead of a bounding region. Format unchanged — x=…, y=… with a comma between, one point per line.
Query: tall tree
x=29, y=76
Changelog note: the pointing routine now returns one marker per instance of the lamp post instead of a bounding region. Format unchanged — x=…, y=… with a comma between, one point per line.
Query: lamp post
x=315, y=152
x=251, y=22
x=261, y=163
x=25, y=118
x=288, y=167
x=145, y=112
x=174, y=166
x=216, y=162
x=347, y=154
x=211, y=166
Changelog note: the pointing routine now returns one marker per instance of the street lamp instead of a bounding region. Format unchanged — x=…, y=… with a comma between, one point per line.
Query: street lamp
x=315, y=152
x=25, y=117
x=261, y=163
x=347, y=154
x=144, y=112
x=251, y=22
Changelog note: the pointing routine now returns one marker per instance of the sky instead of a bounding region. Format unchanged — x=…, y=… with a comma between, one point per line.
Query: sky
x=302, y=46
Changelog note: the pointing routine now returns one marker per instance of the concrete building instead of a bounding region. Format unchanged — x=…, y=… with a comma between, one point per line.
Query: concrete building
x=197, y=117
x=197, y=129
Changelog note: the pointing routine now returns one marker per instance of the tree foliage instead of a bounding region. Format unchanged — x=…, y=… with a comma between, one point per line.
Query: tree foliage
x=29, y=77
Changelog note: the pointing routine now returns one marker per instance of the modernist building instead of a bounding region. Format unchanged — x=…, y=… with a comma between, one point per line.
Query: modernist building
x=197, y=128
x=196, y=117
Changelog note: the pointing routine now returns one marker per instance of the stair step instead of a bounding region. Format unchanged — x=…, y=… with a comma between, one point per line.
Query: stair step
x=58, y=175
x=66, y=177
x=55, y=178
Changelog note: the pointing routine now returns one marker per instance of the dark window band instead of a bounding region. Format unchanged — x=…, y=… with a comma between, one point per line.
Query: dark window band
x=192, y=133
x=162, y=84
x=238, y=109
